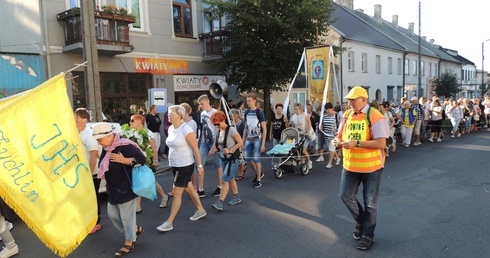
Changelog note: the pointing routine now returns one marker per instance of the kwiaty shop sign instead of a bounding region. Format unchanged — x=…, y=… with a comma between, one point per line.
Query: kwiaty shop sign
x=195, y=82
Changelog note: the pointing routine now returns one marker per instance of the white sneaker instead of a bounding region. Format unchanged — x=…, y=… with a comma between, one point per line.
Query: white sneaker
x=438, y=139
x=320, y=159
x=5, y=253
x=166, y=226
x=416, y=143
x=310, y=164
x=337, y=161
x=197, y=215
x=329, y=166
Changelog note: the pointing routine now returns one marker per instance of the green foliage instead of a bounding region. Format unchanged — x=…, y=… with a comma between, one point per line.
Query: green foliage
x=267, y=38
x=446, y=85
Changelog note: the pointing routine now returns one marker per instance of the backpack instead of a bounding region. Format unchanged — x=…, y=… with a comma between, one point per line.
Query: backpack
x=235, y=155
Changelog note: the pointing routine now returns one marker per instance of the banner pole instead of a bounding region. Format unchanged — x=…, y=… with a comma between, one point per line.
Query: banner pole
x=286, y=101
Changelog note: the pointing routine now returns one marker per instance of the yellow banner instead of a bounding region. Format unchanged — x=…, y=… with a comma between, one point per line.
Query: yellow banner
x=318, y=62
x=160, y=66
x=44, y=174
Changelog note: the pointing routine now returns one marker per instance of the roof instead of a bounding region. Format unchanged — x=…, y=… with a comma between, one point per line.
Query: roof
x=353, y=28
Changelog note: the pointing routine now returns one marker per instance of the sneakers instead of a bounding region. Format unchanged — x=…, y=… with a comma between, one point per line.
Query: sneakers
x=416, y=143
x=452, y=136
x=320, y=159
x=235, y=200
x=459, y=135
x=337, y=161
x=201, y=194
x=166, y=226
x=197, y=215
x=6, y=252
x=261, y=176
x=10, y=226
x=164, y=202
x=365, y=243
x=406, y=145
x=329, y=166
x=257, y=184
x=439, y=140
x=310, y=164
x=95, y=229
x=430, y=140
x=357, y=233
x=218, y=205
x=217, y=192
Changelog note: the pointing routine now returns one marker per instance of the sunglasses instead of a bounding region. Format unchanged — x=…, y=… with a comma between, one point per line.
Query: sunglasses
x=216, y=124
x=132, y=121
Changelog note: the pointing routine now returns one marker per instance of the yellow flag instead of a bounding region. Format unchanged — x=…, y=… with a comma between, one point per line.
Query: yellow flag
x=318, y=68
x=44, y=175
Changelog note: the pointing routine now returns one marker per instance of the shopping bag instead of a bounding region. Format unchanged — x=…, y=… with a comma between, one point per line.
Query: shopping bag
x=144, y=182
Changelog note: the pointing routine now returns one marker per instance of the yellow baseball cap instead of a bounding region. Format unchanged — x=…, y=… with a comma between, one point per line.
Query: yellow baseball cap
x=356, y=92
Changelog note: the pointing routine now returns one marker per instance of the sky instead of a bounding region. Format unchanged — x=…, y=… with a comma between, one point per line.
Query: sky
x=457, y=25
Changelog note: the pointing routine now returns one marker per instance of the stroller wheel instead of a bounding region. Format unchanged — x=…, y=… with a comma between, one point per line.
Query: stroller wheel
x=278, y=173
x=304, y=169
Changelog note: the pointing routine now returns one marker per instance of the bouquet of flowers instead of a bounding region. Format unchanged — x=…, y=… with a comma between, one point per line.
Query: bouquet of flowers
x=140, y=137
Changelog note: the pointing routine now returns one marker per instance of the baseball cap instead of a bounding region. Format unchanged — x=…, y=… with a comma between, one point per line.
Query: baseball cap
x=101, y=130
x=356, y=92
x=413, y=98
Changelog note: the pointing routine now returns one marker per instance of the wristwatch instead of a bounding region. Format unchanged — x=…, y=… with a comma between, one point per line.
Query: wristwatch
x=358, y=144
x=199, y=166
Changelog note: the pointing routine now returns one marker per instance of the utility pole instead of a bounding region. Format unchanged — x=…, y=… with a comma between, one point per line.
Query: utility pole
x=92, y=82
x=419, y=88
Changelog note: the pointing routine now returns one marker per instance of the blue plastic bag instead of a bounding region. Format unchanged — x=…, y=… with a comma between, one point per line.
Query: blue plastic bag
x=144, y=182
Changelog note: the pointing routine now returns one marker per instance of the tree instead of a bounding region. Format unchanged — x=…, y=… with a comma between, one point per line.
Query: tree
x=267, y=38
x=447, y=85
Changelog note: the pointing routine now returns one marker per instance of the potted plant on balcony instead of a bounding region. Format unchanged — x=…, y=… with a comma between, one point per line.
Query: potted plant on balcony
x=114, y=13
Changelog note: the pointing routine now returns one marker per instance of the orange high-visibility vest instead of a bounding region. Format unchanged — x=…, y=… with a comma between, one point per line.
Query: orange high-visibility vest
x=356, y=128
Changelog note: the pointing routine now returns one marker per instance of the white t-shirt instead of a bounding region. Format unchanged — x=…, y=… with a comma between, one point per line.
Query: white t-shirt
x=193, y=125
x=426, y=111
x=299, y=122
x=89, y=144
x=208, y=129
x=180, y=153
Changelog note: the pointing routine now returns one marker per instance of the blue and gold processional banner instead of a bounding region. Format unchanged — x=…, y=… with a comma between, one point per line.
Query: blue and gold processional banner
x=44, y=175
x=318, y=65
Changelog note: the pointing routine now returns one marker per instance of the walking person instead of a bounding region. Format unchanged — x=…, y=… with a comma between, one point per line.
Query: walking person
x=301, y=121
x=279, y=122
x=418, y=122
x=455, y=114
x=138, y=122
x=11, y=247
x=327, y=131
x=91, y=148
x=436, y=120
x=228, y=144
x=153, y=123
x=118, y=157
x=240, y=127
x=182, y=156
x=255, y=133
x=409, y=118
x=208, y=135
x=362, y=134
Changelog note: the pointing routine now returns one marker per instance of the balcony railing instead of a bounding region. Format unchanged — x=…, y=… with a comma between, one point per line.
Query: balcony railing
x=112, y=32
x=214, y=44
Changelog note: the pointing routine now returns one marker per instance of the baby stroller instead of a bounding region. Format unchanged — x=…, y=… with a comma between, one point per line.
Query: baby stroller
x=286, y=156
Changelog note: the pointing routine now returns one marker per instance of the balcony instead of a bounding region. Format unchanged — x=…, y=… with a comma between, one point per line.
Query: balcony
x=112, y=32
x=214, y=44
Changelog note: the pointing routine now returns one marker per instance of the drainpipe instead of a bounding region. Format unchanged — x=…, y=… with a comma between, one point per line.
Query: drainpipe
x=403, y=72
x=341, y=70
x=46, y=45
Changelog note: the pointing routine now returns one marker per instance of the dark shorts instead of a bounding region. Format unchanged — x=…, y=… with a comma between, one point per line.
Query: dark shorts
x=182, y=175
x=436, y=126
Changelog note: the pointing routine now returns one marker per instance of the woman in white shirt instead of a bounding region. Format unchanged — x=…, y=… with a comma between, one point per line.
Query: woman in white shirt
x=456, y=114
x=302, y=122
x=183, y=153
x=436, y=124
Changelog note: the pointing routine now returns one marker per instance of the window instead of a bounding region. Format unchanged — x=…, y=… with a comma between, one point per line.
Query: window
x=422, y=68
x=435, y=70
x=182, y=15
x=299, y=97
x=415, y=67
x=407, y=66
x=134, y=7
x=399, y=66
x=430, y=69
x=76, y=3
x=350, y=61
x=210, y=24
x=364, y=63
x=390, y=65
x=378, y=64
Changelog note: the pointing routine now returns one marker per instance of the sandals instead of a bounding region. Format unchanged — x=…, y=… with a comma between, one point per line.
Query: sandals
x=238, y=178
x=139, y=231
x=125, y=249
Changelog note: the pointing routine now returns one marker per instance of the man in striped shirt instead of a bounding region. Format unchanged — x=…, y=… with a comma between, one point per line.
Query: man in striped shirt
x=328, y=130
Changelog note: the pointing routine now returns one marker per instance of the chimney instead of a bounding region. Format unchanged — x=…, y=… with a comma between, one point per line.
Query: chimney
x=360, y=10
x=347, y=3
x=410, y=28
x=394, y=21
x=432, y=41
x=377, y=13
x=424, y=38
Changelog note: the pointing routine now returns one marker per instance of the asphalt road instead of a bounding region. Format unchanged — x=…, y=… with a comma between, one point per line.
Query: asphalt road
x=433, y=203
